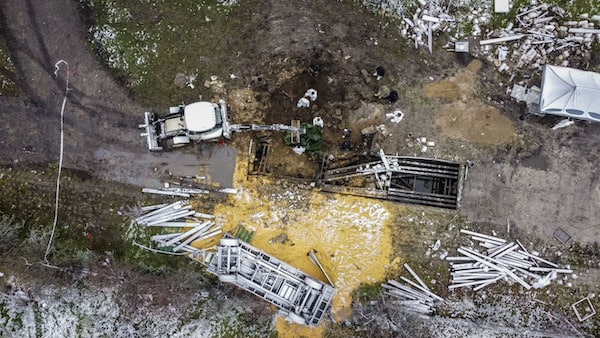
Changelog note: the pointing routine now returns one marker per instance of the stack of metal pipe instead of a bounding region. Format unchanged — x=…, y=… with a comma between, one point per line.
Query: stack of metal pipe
x=499, y=260
x=156, y=215
x=182, y=241
x=413, y=295
x=179, y=215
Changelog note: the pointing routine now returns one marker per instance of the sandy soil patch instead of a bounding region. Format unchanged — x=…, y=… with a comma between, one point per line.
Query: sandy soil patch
x=465, y=117
x=475, y=121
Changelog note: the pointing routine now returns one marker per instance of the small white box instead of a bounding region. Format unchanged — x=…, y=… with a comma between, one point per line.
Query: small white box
x=461, y=46
x=501, y=6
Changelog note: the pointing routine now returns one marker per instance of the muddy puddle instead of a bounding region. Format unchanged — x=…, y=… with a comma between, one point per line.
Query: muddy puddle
x=146, y=170
x=539, y=162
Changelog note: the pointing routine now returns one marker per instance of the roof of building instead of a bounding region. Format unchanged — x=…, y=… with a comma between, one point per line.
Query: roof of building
x=570, y=92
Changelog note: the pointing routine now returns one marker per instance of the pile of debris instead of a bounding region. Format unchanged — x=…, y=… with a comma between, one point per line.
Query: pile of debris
x=415, y=296
x=540, y=35
x=427, y=19
x=186, y=186
x=500, y=260
x=178, y=215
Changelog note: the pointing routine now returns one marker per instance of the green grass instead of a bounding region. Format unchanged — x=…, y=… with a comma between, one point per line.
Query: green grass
x=147, y=42
x=88, y=222
x=572, y=11
x=243, y=324
x=367, y=292
x=8, y=87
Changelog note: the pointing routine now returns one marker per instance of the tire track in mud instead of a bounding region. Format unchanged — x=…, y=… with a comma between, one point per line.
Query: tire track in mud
x=99, y=117
x=99, y=112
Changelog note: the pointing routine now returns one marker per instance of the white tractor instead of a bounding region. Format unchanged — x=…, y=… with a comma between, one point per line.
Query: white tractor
x=199, y=121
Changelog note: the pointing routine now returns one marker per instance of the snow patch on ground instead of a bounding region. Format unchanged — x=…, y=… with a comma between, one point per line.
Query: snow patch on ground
x=69, y=311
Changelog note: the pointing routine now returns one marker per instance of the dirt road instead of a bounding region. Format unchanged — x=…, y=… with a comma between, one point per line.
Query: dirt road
x=100, y=118
x=557, y=186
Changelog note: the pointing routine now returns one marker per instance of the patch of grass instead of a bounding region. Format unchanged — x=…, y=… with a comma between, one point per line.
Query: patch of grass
x=367, y=292
x=147, y=42
x=582, y=255
x=339, y=331
x=500, y=20
x=154, y=263
x=88, y=222
x=243, y=324
x=8, y=87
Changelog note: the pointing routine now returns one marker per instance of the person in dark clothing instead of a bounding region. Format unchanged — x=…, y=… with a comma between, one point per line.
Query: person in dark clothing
x=393, y=97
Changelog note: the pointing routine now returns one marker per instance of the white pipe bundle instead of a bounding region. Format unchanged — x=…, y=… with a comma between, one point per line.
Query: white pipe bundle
x=415, y=295
x=500, y=260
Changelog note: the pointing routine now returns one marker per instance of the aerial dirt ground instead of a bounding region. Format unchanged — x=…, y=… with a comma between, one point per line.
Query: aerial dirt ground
x=101, y=119
x=520, y=171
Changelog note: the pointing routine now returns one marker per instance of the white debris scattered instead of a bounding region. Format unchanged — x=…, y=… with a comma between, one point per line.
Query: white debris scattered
x=189, y=80
x=427, y=19
x=539, y=35
x=299, y=150
x=531, y=96
x=318, y=121
x=425, y=145
x=311, y=94
x=544, y=281
x=395, y=116
x=500, y=260
x=303, y=102
x=562, y=124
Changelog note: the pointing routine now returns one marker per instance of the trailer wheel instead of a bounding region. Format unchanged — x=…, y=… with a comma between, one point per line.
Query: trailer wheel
x=313, y=283
x=228, y=278
x=295, y=318
x=229, y=242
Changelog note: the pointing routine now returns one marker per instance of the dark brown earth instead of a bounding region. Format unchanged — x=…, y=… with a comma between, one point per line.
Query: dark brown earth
x=539, y=180
x=99, y=112
x=301, y=47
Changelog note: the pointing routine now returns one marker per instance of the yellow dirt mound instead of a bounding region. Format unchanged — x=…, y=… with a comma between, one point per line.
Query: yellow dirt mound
x=465, y=117
x=446, y=90
x=475, y=121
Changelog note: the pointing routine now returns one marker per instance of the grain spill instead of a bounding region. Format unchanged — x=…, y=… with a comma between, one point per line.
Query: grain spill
x=350, y=235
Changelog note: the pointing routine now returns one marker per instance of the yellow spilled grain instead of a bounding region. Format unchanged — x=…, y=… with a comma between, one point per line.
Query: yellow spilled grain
x=350, y=235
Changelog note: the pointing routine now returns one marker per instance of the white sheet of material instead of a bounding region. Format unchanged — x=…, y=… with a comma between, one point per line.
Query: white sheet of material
x=570, y=92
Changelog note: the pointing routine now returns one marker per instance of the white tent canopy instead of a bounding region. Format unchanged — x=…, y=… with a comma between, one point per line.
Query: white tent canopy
x=570, y=92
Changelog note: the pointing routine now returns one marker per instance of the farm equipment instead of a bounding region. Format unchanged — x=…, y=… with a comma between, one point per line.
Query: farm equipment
x=201, y=121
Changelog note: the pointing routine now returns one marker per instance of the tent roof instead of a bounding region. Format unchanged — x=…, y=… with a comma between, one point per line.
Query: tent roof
x=570, y=92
